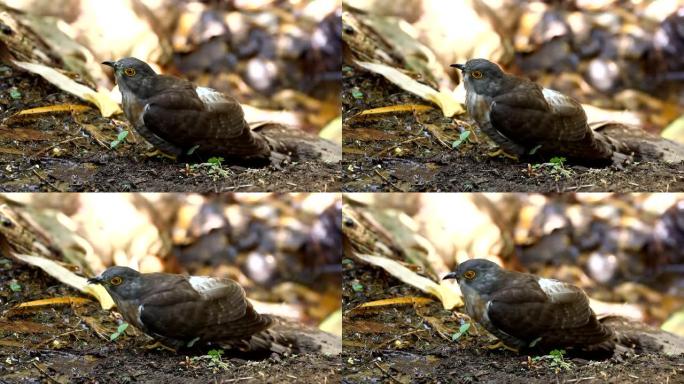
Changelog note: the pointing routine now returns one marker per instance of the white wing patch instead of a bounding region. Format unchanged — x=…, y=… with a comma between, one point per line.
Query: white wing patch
x=557, y=291
x=204, y=284
x=210, y=96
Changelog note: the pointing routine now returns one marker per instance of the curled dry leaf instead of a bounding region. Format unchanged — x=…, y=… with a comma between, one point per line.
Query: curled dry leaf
x=67, y=277
x=449, y=295
x=100, y=98
x=444, y=99
x=391, y=302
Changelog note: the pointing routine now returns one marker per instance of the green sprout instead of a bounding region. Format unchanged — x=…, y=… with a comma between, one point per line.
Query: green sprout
x=556, y=167
x=214, y=358
x=461, y=138
x=556, y=360
x=461, y=331
x=14, y=286
x=214, y=168
x=119, y=139
x=119, y=331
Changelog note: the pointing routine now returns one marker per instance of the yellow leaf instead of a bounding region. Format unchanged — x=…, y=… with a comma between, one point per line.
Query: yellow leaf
x=67, y=277
x=449, y=296
x=53, y=108
x=396, y=108
x=54, y=301
x=100, y=97
x=444, y=99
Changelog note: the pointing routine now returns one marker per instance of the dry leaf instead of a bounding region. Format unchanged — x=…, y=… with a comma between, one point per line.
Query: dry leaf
x=391, y=302
x=69, y=278
x=395, y=108
x=100, y=98
x=449, y=296
x=445, y=100
x=54, y=301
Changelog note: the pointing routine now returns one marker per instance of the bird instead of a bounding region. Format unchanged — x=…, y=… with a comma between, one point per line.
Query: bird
x=523, y=118
x=528, y=312
x=179, y=118
x=180, y=311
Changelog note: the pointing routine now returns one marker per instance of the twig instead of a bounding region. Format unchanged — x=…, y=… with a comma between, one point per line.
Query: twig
x=399, y=337
x=45, y=373
x=46, y=181
x=238, y=379
x=57, y=144
x=581, y=379
x=398, y=145
x=388, y=181
x=387, y=373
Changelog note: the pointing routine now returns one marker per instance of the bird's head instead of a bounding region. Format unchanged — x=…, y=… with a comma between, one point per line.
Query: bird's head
x=479, y=274
x=122, y=283
x=482, y=76
x=131, y=74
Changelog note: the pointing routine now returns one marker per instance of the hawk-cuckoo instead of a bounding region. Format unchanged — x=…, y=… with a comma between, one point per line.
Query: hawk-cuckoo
x=526, y=311
x=523, y=118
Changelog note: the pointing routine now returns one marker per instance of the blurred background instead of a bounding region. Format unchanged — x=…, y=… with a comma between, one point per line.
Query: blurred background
x=273, y=55
x=624, y=250
x=612, y=54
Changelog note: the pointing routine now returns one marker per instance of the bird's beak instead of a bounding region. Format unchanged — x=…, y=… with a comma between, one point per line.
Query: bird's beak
x=459, y=66
x=110, y=64
x=95, y=280
x=450, y=275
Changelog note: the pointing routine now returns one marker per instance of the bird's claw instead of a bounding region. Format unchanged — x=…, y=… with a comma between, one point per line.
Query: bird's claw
x=159, y=345
x=159, y=153
x=501, y=345
x=501, y=152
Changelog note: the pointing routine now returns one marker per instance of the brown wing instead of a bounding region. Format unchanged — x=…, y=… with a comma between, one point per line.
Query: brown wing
x=557, y=124
x=558, y=314
x=217, y=311
x=179, y=116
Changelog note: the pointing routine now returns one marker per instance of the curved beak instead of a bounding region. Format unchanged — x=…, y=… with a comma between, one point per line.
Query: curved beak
x=110, y=64
x=450, y=275
x=459, y=66
x=95, y=280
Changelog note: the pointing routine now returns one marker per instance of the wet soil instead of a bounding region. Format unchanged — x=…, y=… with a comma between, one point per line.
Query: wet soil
x=400, y=152
x=59, y=152
x=58, y=344
x=401, y=345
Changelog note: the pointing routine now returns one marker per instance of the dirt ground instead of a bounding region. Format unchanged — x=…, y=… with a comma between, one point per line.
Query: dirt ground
x=400, y=345
x=58, y=152
x=397, y=152
x=57, y=344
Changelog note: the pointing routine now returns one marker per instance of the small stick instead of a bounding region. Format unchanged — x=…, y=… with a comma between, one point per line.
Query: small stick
x=398, y=145
x=387, y=373
x=387, y=180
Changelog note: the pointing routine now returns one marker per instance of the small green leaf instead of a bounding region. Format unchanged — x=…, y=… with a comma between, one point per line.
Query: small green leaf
x=462, y=137
x=14, y=93
x=357, y=287
x=461, y=331
x=347, y=262
x=356, y=93
x=119, y=331
x=14, y=286
x=557, y=160
x=215, y=160
x=122, y=135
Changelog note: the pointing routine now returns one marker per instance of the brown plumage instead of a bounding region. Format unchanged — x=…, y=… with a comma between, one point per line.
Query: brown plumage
x=184, y=310
x=522, y=118
x=526, y=311
x=178, y=117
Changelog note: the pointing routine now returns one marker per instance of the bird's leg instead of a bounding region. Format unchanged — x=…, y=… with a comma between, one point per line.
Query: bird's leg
x=501, y=152
x=158, y=344
x=157, y=152
x=500, y=344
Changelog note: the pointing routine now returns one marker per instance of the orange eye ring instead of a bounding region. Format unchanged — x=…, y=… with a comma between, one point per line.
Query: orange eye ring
x=130, y=72
x=476, y=74
x=470, y=274
x=116, y=280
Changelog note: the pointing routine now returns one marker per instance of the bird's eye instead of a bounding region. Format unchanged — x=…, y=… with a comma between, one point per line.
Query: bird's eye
x=116, y=280
x=476, y=74
x=469, y=274
x=129, y=72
